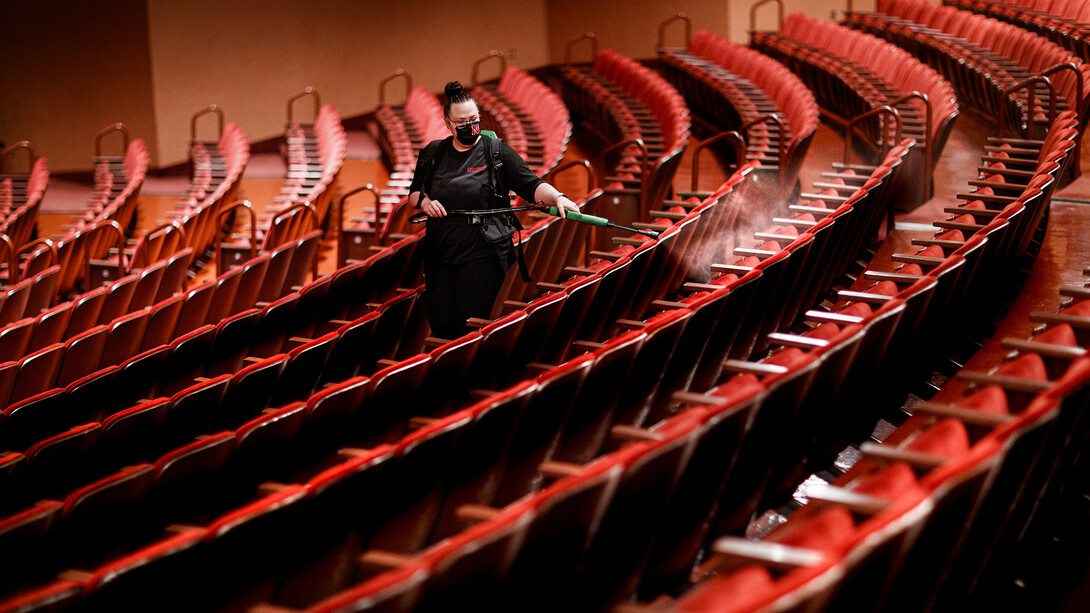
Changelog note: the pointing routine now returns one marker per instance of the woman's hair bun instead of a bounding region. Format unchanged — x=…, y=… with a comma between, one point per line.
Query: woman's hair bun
x=453, y=88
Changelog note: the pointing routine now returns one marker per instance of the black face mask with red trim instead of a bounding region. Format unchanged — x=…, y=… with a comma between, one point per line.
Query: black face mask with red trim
x=467, y=134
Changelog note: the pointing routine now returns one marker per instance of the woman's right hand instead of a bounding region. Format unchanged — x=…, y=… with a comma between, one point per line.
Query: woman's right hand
x=433, y=208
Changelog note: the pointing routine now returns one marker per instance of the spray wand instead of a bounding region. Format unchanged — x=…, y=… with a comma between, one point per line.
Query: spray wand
x=592, y=220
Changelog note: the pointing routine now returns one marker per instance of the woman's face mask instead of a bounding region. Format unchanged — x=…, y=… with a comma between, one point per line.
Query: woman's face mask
x=468, y=133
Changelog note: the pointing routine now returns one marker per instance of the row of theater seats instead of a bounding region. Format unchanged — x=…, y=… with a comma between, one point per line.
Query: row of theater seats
x=910, y=524
x=104, y=223
x=733, y=86
x=20, y=199
x=101, y=323
x=159, y=339
x=217, y=170
x=982, y=57
x=1062, y=21
x=635, y=109
x=402, y=132
x=28, y=297
x=315, y=155
x=57, y=323
x=854, y=73
x=119, y=179
x=531, y=117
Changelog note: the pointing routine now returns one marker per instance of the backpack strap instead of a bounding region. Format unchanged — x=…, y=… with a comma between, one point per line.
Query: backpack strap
x=501, y=192
x=430, y=156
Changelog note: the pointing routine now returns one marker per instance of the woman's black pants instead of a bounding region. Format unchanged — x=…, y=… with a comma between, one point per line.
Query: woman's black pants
x=456, y=292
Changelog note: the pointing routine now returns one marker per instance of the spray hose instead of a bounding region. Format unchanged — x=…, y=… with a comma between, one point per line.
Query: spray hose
x=592, y=220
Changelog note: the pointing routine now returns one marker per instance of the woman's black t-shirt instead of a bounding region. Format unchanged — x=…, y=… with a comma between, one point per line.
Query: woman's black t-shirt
x=461, y=183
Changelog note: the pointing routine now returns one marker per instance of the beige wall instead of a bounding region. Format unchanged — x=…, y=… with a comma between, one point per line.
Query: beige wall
x=250, y=56
x=78, y=66
x=69, y=69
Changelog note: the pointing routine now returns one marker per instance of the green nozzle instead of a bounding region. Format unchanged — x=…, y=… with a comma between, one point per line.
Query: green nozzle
x=601, y=222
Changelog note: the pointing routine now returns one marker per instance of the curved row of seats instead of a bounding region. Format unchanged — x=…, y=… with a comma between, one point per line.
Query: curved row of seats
x=214, y=183
x=1062, y=21
x=402, y=132
x=120, y=179
x=631, y=104
x=981, y=57
x=87, y=238
x=125, y=344
x=532, y=118
x=315, y=155
x=732, y=86
x=854, y=73
x=48, y=323
x=20, y=200
x=904, y=504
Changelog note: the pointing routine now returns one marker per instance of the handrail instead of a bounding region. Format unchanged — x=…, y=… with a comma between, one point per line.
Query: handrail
x=878, y=110
x=1078, y=80
x=342, y=255
x=643, y=163
x=13, y=262
x=230, y=208
x=591, y=181
x=777, y=119
x=120, y=245
x=1077, y=157
x=740, y=152
x=928, y=145
x=661, y=43
x=31, y=247
x=1031, y=98
x=307, y=206
x=104, y=132
x=495, y=53
x=10, y=149
x=164, y=228
x=638, y=142
x=308, y=91
x=571, y=43
x=753, y=14
x=400, y=72
x=212, y=108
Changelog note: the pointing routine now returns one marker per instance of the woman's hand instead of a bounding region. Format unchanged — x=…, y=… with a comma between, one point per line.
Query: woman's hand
x=432, y=207
x=564, y=205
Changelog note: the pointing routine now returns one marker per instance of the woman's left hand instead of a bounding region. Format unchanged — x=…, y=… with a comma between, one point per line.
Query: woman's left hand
x=564, y=205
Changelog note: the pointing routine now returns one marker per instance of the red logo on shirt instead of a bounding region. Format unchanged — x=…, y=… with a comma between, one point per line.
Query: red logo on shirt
x=476, y=168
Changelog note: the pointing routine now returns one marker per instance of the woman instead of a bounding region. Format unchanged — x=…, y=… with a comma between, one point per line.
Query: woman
x=463, y=271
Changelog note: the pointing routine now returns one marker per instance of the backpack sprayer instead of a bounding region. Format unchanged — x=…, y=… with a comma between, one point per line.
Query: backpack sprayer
x=593, y=220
